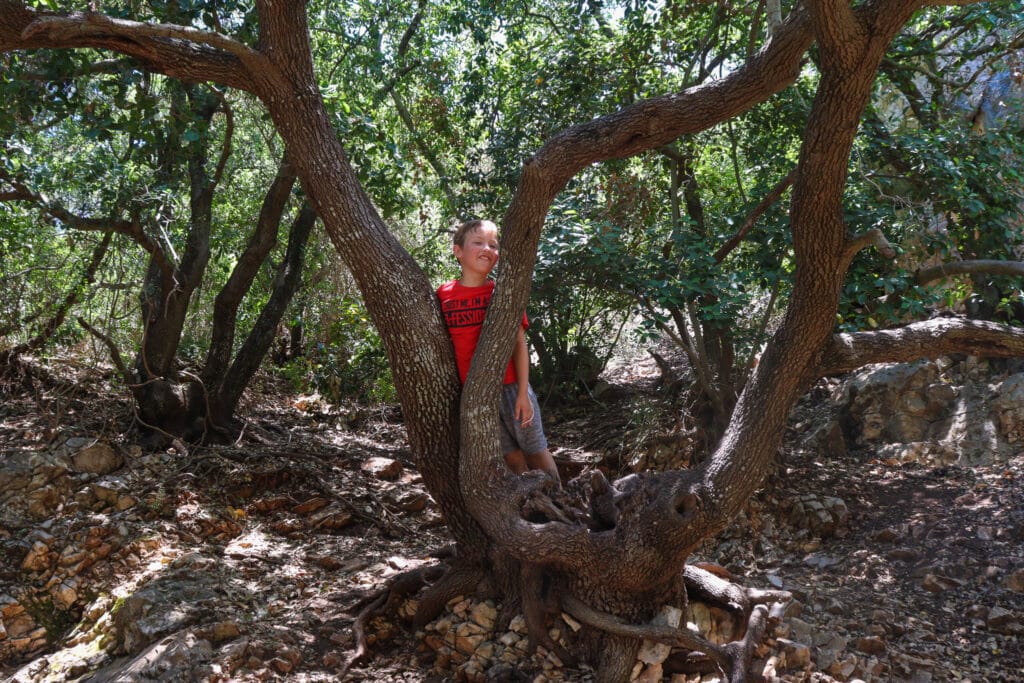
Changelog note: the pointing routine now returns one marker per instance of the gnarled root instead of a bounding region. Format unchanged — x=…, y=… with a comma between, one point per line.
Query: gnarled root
x=742, y=651
x=616, y=659
x=460, y=579
x=734, y=659
x=385, y=600
x=706, y=586
x=677, y=637
x=539, y=604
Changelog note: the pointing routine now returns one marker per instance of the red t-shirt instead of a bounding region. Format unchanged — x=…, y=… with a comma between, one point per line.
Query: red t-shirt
x=464, y=309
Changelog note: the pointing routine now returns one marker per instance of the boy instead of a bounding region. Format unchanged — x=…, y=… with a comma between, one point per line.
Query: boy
x=464, y=304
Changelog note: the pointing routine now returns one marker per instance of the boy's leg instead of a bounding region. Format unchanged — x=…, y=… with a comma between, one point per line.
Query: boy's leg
x=543, y=460
x=516, y=461
x=515, y=436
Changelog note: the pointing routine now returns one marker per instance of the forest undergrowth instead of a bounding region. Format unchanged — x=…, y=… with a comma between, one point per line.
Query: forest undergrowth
x=251, y=558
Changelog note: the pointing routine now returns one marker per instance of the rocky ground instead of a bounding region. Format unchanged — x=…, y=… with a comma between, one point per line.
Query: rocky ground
x=895, y=517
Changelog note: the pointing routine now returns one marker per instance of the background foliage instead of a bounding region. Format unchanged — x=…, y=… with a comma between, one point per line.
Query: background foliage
x=438, y=105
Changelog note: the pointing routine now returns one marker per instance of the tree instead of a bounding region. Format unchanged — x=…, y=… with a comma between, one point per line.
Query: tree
x=617, y=551
x=154, y=153
x=928, y=132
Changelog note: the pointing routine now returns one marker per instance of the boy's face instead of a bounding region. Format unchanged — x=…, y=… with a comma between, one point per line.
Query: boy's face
x=479, y=251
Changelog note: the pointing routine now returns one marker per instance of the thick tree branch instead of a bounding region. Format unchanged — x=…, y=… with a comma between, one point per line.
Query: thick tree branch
x=255, y=346
x=926, y=339
x=204, y=103
x=56, y=210
x=841, y=35
x=873, y=237
x=791, y=358
x=652, y=123
x=774, y=15
x=227, y=301
x=410, y=31
x=819, y=239
x=978, y=267
x=92, y=24
x=179, y=51
x=284, y=39
x=646, y=125
x=16, y=196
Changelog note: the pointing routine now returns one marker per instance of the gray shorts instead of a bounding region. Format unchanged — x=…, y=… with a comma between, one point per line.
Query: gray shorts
x=529, y=439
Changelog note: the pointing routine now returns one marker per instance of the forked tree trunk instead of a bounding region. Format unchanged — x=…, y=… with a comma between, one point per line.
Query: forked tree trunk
x=229, y=299
x=633, y=567
x=224, y=397
x=164, y=401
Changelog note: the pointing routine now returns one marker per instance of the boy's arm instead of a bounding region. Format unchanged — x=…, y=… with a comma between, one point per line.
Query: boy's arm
x=521, y=363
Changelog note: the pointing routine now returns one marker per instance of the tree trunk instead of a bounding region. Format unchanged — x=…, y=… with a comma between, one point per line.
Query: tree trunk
x=397, y=294
x=224, y=399
x=227, y=301
x=165, y=402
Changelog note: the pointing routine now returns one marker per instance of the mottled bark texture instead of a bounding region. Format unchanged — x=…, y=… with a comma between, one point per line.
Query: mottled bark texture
x=616, y=548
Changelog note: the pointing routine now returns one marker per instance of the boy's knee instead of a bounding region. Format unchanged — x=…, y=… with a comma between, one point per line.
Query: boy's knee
x=543, y=460
x=516, y=461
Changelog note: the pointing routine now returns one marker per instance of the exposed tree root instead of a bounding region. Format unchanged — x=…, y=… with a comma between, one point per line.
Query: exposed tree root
x=539, y=595
x=677, y=637
x=616, y=658
x=704, y=585
x=539, y=603
x=598, y=504
x=385, y=600
x=507, y=585
x=734, y=659
x=742, y=651
x=459, y=579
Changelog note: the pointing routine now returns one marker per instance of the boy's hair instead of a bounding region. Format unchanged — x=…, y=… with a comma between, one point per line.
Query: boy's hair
x=467, y=227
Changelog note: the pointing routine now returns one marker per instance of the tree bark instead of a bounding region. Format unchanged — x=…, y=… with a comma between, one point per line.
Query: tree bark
x=926, y=339
x=257, y=343
x=976, y=267
x=397, y=293
x=165, y=402
x=166, y=294
x=227, y=301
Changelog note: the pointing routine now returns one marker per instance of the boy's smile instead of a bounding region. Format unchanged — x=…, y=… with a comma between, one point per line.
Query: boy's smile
x=478, y=255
